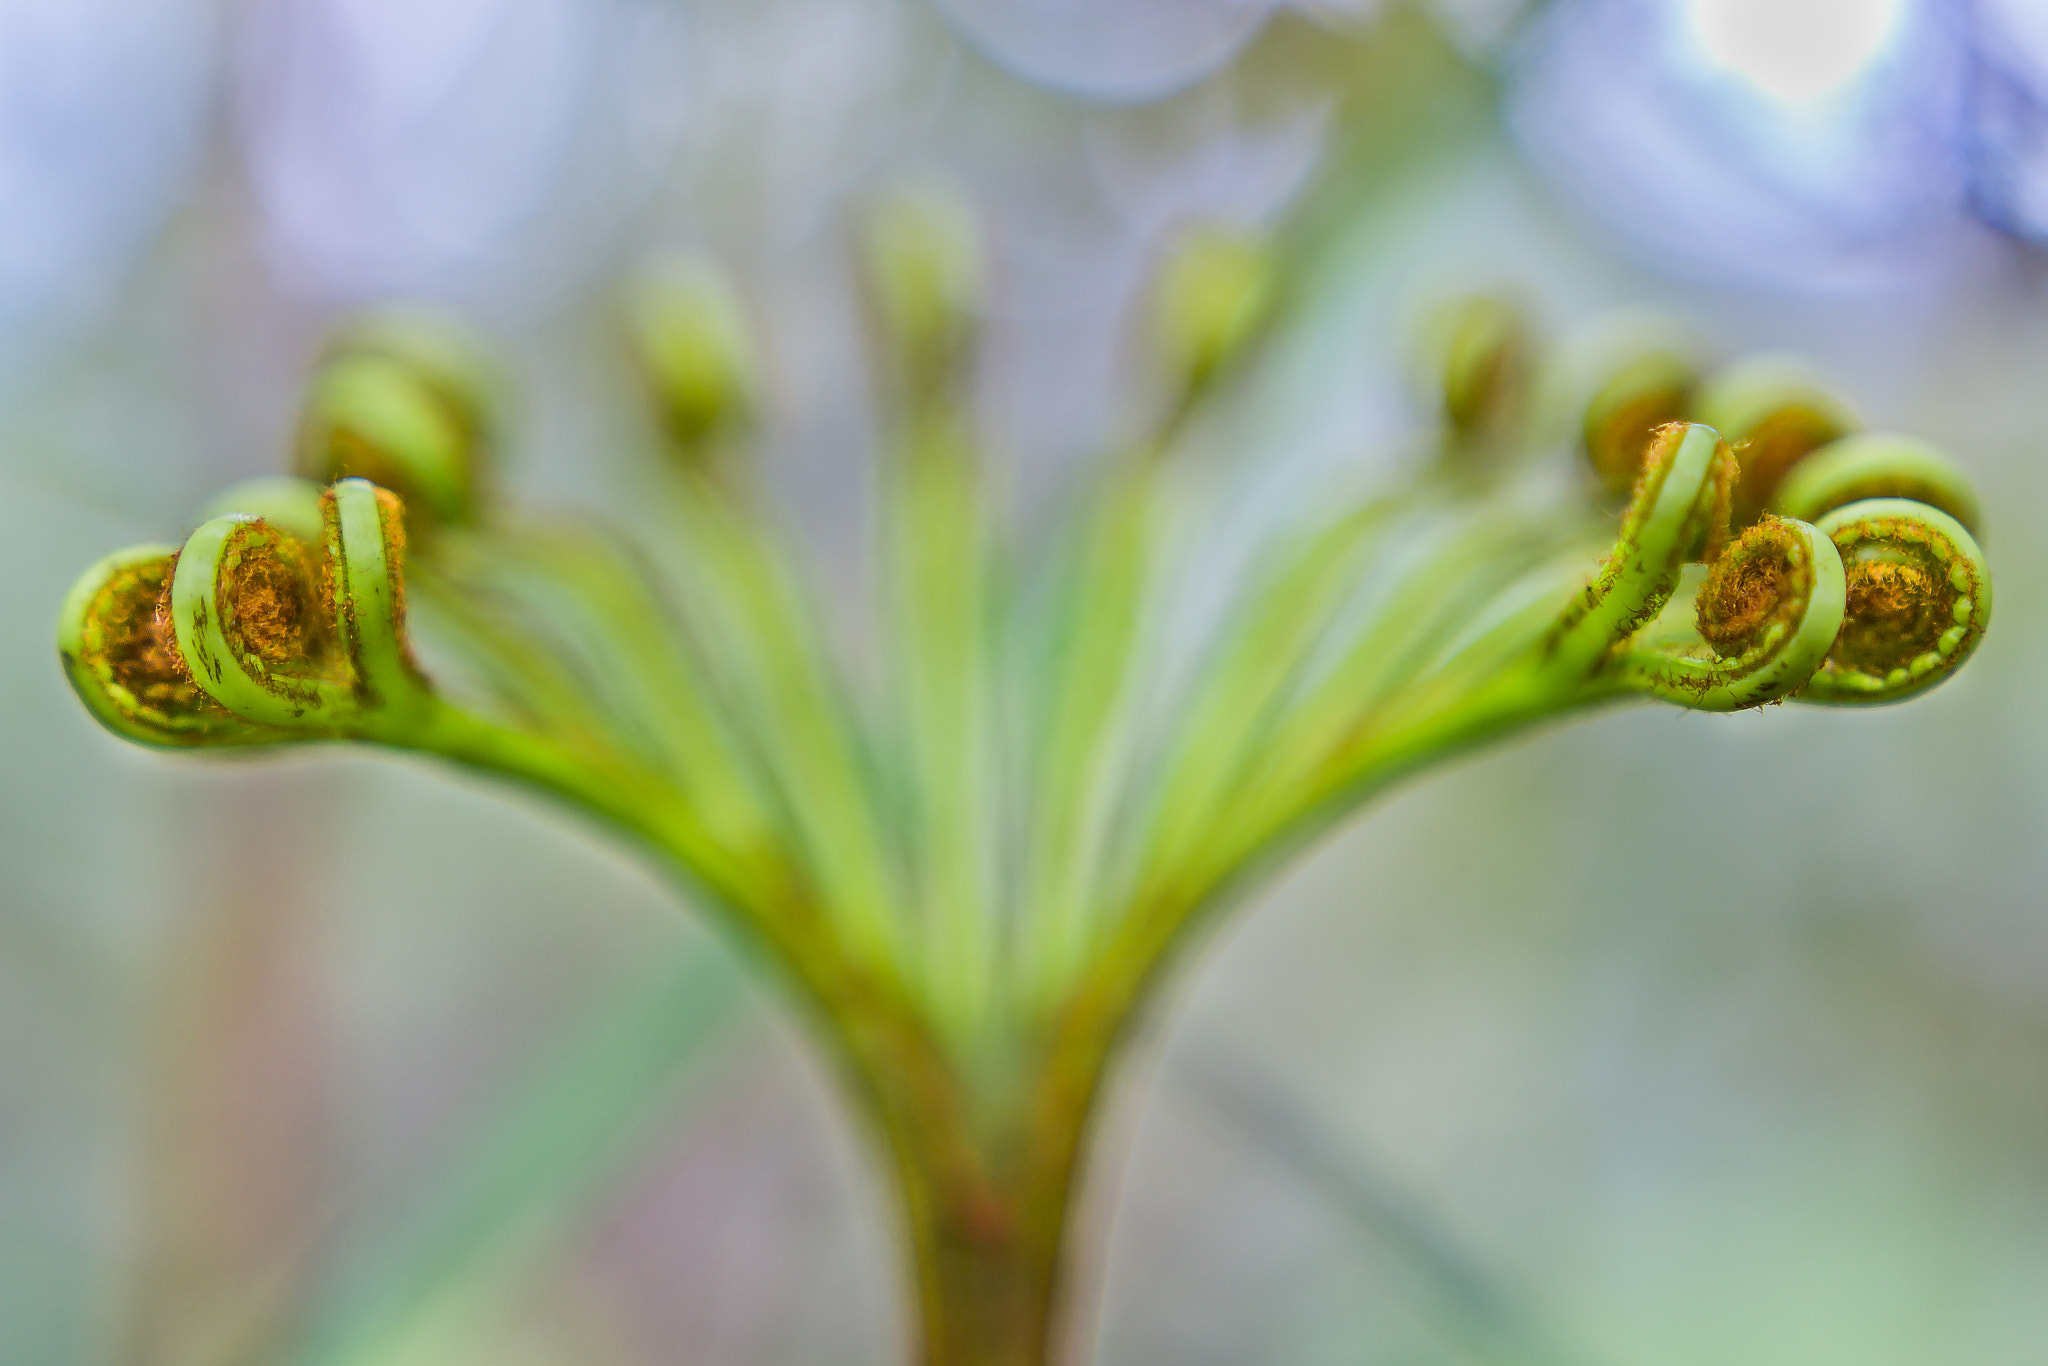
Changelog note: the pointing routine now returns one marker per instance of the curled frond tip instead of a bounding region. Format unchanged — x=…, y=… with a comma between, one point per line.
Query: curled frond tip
x=248, y=632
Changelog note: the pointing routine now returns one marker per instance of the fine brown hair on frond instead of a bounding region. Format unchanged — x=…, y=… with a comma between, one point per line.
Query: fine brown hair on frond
x=391, y=520
x=272, y=590
x=1897, y=609
x=1652, y=462
x=1727, y=478
x=1749, y=586
x=129, y=641
x=137, y=643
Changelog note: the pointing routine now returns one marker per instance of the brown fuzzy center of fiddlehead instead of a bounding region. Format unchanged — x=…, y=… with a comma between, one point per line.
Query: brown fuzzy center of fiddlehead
x=1751, y=585
x=137, y=646
x=1896, y=610
x=275, y=613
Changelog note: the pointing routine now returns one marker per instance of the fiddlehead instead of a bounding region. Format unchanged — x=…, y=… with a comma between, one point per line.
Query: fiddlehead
x=403, y=399
x=1876, y=465
x=250, y=633
x=1760, y=622
x=695, y=349
x=1775, y=416
x=976, y=860
x=1649, y=391
x=121, y=657
x=1860, y=584
x=1679, y=514
x=1214, y=293
x=1486, y=380
x=1918, y=601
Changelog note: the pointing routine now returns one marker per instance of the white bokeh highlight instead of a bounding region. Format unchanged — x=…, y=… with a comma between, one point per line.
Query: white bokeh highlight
x=1700, y=166
x=1796, y=51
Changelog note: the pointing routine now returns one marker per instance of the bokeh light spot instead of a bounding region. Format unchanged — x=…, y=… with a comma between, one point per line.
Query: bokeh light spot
x=1795, y=51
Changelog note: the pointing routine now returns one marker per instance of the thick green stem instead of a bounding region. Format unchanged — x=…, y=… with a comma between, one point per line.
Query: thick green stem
x=986, y=1195
x=981, y=1157
x=987, y=1178
x=985, y=1241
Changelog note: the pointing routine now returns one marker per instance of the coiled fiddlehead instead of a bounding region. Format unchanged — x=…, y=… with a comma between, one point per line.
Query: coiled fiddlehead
x=121, y=656
x=1872, y=600
x=1900, y=576
x=1762, y=620
x=1919, y=600
x=1763, y=614
x=1900, y=513
x=248, y=633
x=1648, y=392
x=1486, y=376
x=1876, y=465
x=1679, y=514
x=1775, y=416
x=403, y=399
x=1772, y=557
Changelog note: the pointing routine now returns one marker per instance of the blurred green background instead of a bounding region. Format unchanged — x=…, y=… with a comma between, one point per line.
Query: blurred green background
x=1662, y=1038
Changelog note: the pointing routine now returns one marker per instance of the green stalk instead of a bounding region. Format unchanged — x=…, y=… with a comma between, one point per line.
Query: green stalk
x=939, y=567
x=1259, y=655
x=1077, y=769
x=793, y=713
x=650, y=680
